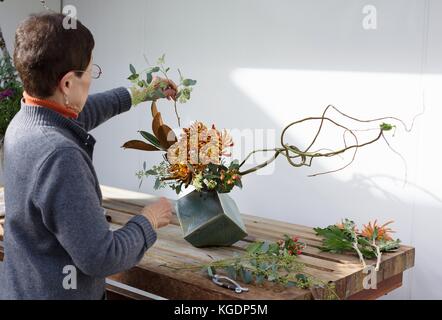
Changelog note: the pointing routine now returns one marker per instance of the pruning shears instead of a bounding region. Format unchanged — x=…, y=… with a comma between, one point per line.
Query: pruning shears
x=228, y=283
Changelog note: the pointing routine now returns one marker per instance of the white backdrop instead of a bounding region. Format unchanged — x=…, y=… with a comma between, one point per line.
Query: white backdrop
x=262, y=64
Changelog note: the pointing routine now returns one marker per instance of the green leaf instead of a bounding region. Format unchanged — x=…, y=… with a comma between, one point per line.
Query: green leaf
x=157, y=184
x=259, y=279
x=231, y=272
x=152, y=139
x=254, y=247
x=210, y=272
x=149, y=78
x=189, y=82
x=133, y=77
x=375, y=234
x=265, y=247
x=386, y=127
x=132, y=69
x=161, y=60
x=159, y=94
x=178, y=189
x=271, y=277
x=153, y=70
x=246, y=275
x=273, y=249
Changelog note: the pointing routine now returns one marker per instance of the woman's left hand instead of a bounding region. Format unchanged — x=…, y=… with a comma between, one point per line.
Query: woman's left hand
x=167, y=87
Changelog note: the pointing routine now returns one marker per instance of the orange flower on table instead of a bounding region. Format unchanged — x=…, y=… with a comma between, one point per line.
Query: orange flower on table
x=383, y=233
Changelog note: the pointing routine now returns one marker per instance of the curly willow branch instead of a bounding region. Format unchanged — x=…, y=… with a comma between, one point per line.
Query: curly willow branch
x=306, y=157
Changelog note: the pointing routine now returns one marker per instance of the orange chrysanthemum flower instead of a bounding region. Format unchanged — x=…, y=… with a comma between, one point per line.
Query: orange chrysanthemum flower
x=383, y=233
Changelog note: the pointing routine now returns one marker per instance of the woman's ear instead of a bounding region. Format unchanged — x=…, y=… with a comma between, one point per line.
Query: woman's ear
x=65, y=83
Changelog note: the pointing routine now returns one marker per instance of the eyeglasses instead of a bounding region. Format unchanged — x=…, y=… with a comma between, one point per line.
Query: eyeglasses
x=95, y=71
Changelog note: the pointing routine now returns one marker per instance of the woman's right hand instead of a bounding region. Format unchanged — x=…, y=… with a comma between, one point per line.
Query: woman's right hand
x=158, y=213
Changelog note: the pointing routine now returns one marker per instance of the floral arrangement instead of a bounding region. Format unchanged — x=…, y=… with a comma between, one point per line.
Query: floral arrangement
x=11, y=89
x=197, y=158
x=369, y=243
x=205, y=170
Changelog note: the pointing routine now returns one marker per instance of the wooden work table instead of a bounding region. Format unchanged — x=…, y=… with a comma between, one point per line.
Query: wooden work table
x=153, y=274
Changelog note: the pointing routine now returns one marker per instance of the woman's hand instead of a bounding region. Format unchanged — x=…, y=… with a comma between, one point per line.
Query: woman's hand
x=167, y=87
x=158, y=213
x=159, y=88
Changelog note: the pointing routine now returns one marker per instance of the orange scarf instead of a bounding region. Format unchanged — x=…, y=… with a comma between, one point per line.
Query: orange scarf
x=59, y=108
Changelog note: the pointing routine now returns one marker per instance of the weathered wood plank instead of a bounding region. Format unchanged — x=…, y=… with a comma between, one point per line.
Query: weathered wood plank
x=383, y=288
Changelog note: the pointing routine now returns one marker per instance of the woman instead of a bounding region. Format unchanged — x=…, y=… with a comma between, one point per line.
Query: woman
x=57, y=241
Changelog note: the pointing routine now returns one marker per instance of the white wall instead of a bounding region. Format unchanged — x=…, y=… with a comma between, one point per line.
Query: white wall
x=261, y=64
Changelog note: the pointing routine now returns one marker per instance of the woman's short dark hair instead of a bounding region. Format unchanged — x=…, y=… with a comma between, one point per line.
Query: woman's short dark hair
x=45, y=51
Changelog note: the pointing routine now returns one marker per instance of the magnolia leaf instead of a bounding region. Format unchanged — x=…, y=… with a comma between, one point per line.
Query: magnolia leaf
x=154, y=109
x=151, y=138
x=139, y=145
x=169, y=136
x=157, y=122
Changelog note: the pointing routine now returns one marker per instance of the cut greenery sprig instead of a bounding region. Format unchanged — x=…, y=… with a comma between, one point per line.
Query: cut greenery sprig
x=370, y=243
x=273, y=262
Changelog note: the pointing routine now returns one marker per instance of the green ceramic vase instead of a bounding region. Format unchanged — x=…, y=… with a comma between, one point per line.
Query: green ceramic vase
x=210, y=219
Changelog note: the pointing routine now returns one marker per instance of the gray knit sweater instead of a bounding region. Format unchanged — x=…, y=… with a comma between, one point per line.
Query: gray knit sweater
x=57, y=241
